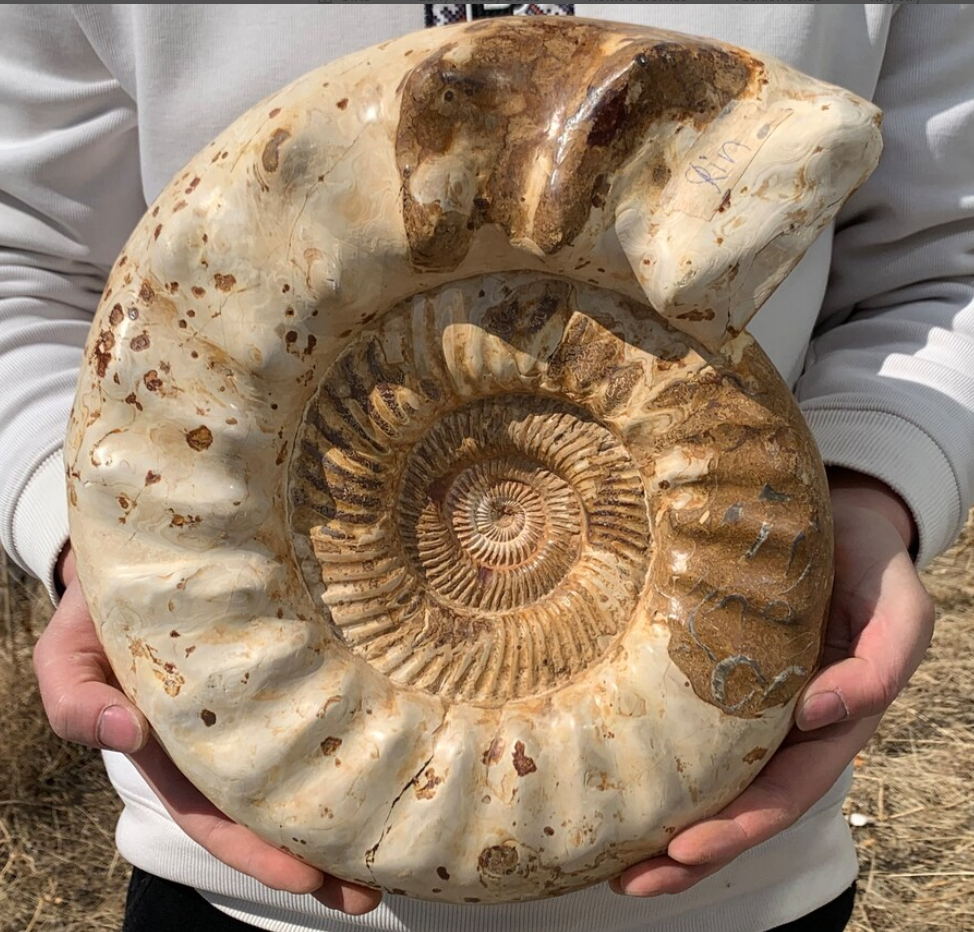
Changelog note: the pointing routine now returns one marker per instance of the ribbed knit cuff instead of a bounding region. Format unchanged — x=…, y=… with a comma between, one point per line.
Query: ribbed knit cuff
x=40, y=522
x=903, y=456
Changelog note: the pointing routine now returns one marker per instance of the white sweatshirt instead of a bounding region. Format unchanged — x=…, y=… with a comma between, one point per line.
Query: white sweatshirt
x=100, y=105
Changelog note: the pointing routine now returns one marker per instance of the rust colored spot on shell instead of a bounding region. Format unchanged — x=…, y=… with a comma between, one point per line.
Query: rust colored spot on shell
x=224, y=282
x=270, y=158
x=172, y=680
x=116, y=316
x=330, y=745
x=754, y=755
x=342, y=104
x=157, y=231
x=274, y=112
x=140, y=343
x=146, y=292
x=103, y=352
x=493, y=754
x=428, y=789
x=442, y=873
x=500, y=860
x=198, y=291
x=184, y=520
x=522, y=763
x=151, y=478
x=200, y=439
x=152, y=381
x=208, y=717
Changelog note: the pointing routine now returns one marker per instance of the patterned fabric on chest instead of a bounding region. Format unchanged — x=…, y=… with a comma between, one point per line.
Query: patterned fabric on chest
x=444, y=14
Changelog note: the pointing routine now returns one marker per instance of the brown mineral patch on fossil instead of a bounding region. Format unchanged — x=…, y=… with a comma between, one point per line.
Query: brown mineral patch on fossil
x=146, y=292
x=522, y=763
x=102, y=352
x=498, y=860
x=224, y=283
x=746, y=643
x=427, y=790
x=494, y=753
x=754, y=755
x=270, y=158
x=162, y=670
x=330, y=745
x=208, y=718
x=200, y=439
x=490, y=111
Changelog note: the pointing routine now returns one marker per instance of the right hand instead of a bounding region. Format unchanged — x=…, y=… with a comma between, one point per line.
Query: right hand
x=84, y=704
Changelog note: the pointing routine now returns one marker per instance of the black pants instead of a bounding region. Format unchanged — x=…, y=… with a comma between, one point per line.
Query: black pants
x=156, y=905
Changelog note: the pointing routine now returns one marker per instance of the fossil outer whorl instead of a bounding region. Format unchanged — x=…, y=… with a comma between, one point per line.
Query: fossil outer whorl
x=427, y=496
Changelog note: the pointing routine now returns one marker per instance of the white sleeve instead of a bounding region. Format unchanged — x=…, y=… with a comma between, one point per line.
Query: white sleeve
x=888, y=387
x=70, y=193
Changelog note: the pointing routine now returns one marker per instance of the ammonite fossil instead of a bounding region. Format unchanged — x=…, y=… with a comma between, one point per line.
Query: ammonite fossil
x=428, y=495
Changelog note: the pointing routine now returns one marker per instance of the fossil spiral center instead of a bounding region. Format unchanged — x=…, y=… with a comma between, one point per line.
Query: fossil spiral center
x=492, y=533
x=466, y=530
x=509, y=512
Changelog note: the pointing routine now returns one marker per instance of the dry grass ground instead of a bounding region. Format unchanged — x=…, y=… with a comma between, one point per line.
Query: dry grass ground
x=912, y=803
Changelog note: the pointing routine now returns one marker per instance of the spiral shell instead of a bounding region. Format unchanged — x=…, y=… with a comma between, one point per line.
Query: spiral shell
x=427, y=496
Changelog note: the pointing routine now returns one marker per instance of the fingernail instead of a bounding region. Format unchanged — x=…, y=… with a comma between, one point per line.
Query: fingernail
x=118, y=730
x=821, y=710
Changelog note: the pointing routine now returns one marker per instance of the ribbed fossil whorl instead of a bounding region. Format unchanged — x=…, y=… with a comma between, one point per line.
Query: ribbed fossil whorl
x=471, y=537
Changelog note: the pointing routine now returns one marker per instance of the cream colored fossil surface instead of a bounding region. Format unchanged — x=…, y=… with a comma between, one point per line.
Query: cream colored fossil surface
x=427, y=493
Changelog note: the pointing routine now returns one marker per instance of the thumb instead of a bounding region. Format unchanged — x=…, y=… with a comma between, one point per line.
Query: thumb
x=74, y=677
x=893, y=635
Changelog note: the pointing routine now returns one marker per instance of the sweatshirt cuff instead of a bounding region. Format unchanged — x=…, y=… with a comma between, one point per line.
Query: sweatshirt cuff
x=40, y=522
x=903, y=456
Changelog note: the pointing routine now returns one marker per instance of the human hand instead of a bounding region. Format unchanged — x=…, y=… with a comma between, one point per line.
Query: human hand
x=880, y=624
x=84, y=704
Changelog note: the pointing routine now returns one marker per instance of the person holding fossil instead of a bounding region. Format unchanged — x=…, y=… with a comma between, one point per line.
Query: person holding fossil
x=99, y=108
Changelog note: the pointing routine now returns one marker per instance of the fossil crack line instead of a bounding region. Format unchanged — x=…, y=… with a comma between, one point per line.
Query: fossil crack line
x=371, y=853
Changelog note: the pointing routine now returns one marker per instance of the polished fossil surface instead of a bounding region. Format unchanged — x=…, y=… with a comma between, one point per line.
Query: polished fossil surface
x=428, y=494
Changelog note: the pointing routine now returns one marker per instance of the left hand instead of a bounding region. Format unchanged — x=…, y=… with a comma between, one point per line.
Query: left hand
x=880, y=624
x=84, y=703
